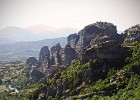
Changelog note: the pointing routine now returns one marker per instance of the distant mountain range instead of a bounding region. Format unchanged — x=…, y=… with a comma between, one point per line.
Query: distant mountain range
x=22, y=50
x=50, y=32
x=33, y=33
x=20, y=43
x=5, y=40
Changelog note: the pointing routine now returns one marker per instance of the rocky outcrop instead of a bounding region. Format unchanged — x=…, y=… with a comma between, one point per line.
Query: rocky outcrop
x=89, y=37
x=68, y=54
x=132, y=34
x=72, y=40
x=55, y=55
x=55, y=48
x=44, y=56
x=59, y=56
x=94, y=34
x=99, y=40
x=48, y=59
x=34, y=66
x=109, y=50
x=99, y=31
x=36, y=74
x=31, y=61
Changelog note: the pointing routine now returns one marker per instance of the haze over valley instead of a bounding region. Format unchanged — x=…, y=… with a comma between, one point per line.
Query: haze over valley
x=33, y=33
x=69, y=50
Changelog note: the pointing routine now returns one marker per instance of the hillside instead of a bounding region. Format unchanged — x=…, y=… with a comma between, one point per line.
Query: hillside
x=17, y=34
x=34, y=33
x=96, y=63
x=6, y=40
x=23, y=50
x=106, y=67
x=78, y=81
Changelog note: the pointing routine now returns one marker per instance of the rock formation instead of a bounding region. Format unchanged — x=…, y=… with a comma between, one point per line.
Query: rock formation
x=31, y=61
x=72, y=40
x=99, y=40
x=59, y=56
x=109, y=50
x=132, y=34
x=55, y=48
x=36, y=74
x=44, y=57
x=91, y=36
x=55, y=55
x=68, y=54
x=94, y=34
x=101, y=54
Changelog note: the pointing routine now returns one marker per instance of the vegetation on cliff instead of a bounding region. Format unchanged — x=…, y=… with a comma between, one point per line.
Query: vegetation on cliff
x=94, y=82
x=95, y=64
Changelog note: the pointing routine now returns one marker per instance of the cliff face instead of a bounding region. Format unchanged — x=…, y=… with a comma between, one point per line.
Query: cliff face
x=68, y=54
x=44, y=56
x=93, y=34
x=96, y=79
x=132, y=34
x=31, y=61
x=102, y=57
x=99, y=40
x=55, y=55
x=90, y=36
x=72, y=39
x=109, y=51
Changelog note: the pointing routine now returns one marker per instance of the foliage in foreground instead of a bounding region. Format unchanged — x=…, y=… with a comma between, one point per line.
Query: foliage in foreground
x=79, y=81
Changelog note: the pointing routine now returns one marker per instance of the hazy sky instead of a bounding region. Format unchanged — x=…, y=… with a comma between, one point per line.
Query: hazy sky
x=69, y=13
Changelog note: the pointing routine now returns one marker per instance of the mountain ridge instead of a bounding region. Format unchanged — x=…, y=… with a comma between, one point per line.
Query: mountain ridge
x=33, y=33
x=22, y=50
